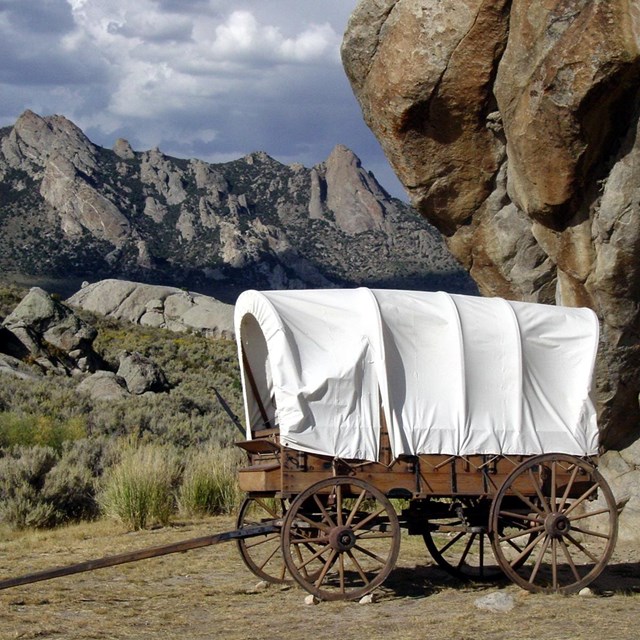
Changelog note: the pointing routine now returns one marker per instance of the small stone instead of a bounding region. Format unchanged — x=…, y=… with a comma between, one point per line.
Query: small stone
x=497, y=602
x=311, y=599
x=261, y=586
x=585, y=592
x=369, y=598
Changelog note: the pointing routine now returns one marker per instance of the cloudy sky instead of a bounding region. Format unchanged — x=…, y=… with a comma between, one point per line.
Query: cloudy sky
x=209, y=79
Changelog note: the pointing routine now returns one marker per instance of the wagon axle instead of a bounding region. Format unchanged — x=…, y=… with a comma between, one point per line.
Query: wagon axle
x=342, y=539
x=557, y=525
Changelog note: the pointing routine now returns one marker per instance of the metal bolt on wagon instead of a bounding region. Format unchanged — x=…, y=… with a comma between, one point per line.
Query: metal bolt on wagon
x=465, y=420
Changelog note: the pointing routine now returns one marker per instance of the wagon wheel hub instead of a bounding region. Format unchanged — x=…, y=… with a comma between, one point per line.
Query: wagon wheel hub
x=557, y=525
x=342, y=539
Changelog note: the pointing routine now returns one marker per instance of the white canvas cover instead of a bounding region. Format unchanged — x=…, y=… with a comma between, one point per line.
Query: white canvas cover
x=453, y=374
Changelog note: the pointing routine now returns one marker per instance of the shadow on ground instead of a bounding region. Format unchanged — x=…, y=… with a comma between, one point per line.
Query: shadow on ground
x=424, y=580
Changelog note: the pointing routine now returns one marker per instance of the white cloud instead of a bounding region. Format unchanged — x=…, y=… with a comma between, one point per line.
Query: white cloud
x=241, y=32
x=159, y=60
x=199, y=78
x=319, y=42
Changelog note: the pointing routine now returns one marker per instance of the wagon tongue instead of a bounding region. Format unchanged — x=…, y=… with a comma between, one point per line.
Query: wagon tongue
x=142, y=554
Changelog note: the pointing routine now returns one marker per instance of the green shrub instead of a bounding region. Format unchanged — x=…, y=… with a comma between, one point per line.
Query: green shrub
x=70, y=489
x=39, y=430
x=10, y=297
x=38, y=489
x=22, y=477
x=139, y=490
x=209, y=484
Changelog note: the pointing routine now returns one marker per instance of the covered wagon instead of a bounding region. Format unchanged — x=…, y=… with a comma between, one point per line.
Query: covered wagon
x=466, y=420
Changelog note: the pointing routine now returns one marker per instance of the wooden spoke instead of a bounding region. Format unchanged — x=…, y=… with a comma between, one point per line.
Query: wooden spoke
x=514, y=546
x=327, y=565
x=589, y=514
x=308, y=541
x=465, y=552
x=268, y=558
x=272, y=511
x=554, y=554
x=591, y=556
x=528, y=502
x=366, y=552
x=569, y=544
x=588, y=532
x=359, y=525
x=453, y=541
x=589, y=492
x=569, y=559
x=536, y=488
x=314, y=523
x=356, y=564
x=356, y=539
x=520, y=516
x=262, y=555
x=371, y=535
x=264, y=540
x=301, y=561
x=522, y=532
x=526, y=552
x=314, y=556
x=567, y=490
x=458, y=543
x=539, y=557
x=355, y=507
x=324, y=512
x=339, y=505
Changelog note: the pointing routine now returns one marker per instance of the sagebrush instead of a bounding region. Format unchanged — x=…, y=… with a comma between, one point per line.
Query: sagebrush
x=82, y=435
x=140, y=489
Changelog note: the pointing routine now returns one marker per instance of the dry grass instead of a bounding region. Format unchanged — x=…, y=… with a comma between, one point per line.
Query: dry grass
x=207, y=593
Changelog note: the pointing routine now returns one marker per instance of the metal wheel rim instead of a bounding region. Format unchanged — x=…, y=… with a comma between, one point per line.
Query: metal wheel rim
x=556, y=559
x=312, y=547
x=262, y=555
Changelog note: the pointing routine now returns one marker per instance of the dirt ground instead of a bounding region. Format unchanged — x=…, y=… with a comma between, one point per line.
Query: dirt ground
x=208, y=593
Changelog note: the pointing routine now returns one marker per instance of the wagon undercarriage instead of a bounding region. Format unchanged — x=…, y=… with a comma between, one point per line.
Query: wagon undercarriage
x=548, y=522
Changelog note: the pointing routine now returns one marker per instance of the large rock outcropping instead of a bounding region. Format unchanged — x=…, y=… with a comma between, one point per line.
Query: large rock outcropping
x=50, y=334
x=514, y=127
x=157, y=306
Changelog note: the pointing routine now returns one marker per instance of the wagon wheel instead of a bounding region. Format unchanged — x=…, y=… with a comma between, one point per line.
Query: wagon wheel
x=460, y=543
x=262, y=554
x=348, y=530
x=546, y=508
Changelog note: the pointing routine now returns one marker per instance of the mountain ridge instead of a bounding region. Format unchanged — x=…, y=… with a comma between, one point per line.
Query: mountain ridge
x=69, y=208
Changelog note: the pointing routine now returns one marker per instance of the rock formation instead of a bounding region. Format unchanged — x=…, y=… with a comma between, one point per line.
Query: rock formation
x=44, y=336
x=514, y=127
x=104, y=385
x=70, y=208
x=50, y=334
x=157, y=306
x=141, y=374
